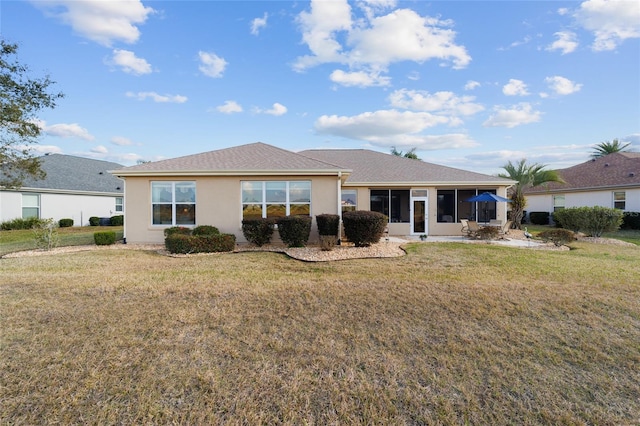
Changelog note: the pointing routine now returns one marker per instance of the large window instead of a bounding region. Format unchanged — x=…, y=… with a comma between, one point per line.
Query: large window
x=619, y=200
x=30, y=205
x=446, y=205
x=173, y=203
x=452, y=205
x=276, y=198
x=349, y=200
x=393, y=203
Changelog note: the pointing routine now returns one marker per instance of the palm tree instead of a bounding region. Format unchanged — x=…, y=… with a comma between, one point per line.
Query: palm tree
x=606, y=148
x=527, y=176
x=409, y=154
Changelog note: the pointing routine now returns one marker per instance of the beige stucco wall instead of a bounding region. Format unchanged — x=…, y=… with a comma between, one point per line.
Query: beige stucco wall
x=218, y=203
x=604, y=198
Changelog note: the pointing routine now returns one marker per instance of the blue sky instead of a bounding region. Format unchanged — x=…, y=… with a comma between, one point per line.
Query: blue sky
x=469, y=84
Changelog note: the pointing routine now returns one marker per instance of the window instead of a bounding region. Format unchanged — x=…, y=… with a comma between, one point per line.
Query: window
x=30, y=205
x=275, y=198
x=349, y=200
x=393, y=203
x=173, y=203
x=558, y=202
x=119, y=204
x=619, y=200
x=446, y=205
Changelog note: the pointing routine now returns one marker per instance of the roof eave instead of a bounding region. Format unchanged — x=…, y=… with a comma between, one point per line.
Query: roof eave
x=179, y=173
x=433, y=183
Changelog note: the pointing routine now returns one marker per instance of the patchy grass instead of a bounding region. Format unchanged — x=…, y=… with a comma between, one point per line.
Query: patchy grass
x=449, y=334
x=19, y=240
x=628, y=235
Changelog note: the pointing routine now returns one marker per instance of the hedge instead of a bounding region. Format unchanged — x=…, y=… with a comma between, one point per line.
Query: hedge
x=117, y=220
x=184, y=244
x=630, y=220
x=258, y=231
x=65, y=223
x=539, y=218
x=593, y=221
x=328, y=224
x=94, y=221
x=294, y=230
x=364, y=228
x=104, y=238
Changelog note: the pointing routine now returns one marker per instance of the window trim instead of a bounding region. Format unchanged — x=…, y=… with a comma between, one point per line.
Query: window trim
x=623, y=200
x=38, y=207
x=119, y=207
x=264, y=203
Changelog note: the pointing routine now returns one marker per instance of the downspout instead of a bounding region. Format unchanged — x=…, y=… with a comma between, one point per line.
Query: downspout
x=339, y=191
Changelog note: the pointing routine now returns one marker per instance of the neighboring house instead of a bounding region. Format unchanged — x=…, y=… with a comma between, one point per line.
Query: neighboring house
x=74, y=188
x=221, y=187
x=609, y=181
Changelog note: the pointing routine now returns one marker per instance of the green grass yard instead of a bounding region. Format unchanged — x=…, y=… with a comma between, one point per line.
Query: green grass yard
x=449, y=334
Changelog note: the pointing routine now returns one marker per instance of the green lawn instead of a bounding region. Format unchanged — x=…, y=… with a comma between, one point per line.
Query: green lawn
x=448, y=334
x=12, y=241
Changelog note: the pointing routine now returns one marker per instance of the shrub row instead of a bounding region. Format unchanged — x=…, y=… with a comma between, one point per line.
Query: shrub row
x=19, y=223
x=630, y=220
x=201, y=239
x=593, y=221
x=117, y=220
x=539, y=218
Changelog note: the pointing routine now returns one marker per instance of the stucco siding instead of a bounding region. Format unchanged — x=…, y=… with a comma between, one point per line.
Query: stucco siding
x=544, y=202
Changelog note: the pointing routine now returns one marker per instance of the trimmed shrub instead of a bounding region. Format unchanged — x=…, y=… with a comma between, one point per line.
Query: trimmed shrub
x=364, y=228
x=630, y=220
x=539, y=218
x=212, y=243
x=104, y=238
x=177, y=230
x=488, y=233
x=94, y=221
x=294, y=230
x=65, y=223
x=19, y=223
x=593, y=221
x=328, y=224
x=258, y=230
x=559, y=237
x=117, y=220
x=205, y=230
x=569, y=218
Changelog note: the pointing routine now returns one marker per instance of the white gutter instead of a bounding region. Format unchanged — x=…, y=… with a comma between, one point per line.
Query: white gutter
x=339, y=188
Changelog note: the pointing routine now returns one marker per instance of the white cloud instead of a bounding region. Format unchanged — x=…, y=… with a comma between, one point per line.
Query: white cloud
x=515, y=88
x=277, y=109
x=100, y=149
x=40, y=149
x=121, y=141
x=566, y=42
x=371, y=43
x=129, y=63
x=442, y=102
x=359, y=78
x=391, y=127
x=141, y=96
x=104, y=22
x=610, y=21
x=73, y=130
x=562, y=85
x=517, y=115
x=470, y=85
x=211, y=64
x=229, y=107
x=258, y=23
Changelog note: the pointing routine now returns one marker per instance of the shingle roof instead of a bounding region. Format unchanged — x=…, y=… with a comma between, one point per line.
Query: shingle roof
x=70, y=173
x=255, y=157
x=620, y=169
x=370, y=167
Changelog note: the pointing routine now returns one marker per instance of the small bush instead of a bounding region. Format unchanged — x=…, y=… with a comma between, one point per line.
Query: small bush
x=569, y=218
x=94, y=221
x=593, y=221
x=65, y=223
x=258, y=231
x=559, y=237
x=630, y=220
x=104, y=238
x=19, y=223
x=46, y=234
x=211, y=243
x=177, y=230
x=294, y=230
x=328, y=224
x=364, y=228
x=539, y=218
x=205, y=230
x=488, y=233
x=117, y=220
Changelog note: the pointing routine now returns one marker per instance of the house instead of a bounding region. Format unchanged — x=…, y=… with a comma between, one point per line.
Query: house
x=221, y=187
x=74, y=188
x=609, y=181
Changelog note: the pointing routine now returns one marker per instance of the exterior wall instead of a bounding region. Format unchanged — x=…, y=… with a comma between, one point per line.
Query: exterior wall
x=544, y=202
x=60, y=206
x=218, y=203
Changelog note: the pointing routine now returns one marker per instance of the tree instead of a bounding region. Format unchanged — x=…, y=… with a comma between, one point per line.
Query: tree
x=526, y=176
x=606, y=148
x=21, y=98
x=409, y=154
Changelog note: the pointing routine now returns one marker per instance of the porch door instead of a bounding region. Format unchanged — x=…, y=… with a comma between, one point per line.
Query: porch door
x=419, y=216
